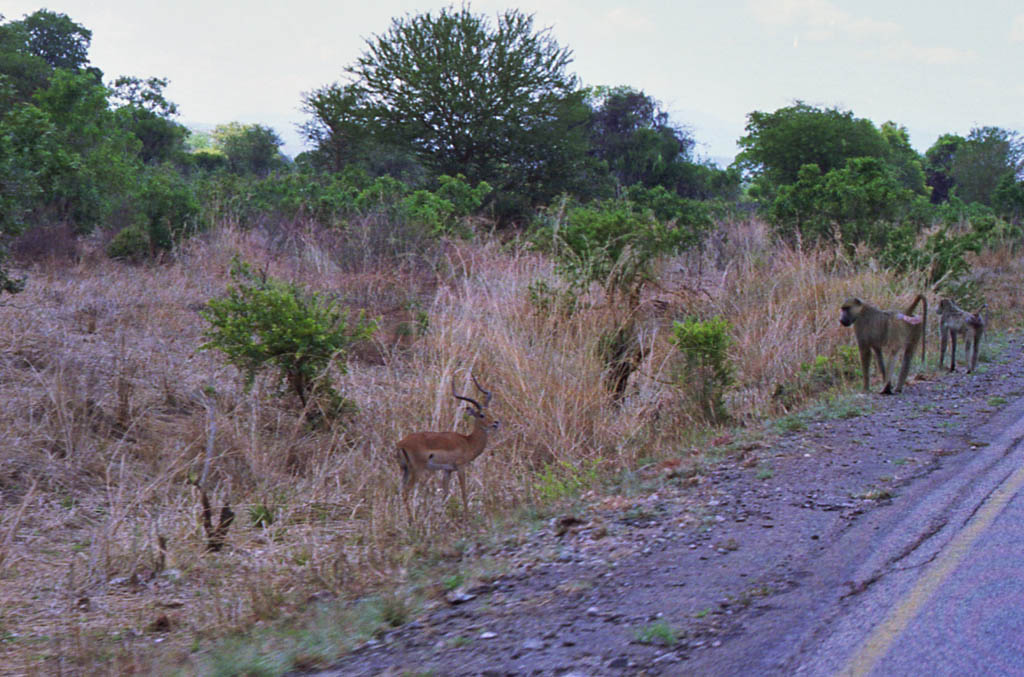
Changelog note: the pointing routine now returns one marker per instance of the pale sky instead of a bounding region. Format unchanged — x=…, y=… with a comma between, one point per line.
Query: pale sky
x=933, y=66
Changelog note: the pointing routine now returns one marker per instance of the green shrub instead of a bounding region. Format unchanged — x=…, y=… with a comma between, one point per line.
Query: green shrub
x=614, y=242
x=130, y=244
x=706, y=371
x=268, y=323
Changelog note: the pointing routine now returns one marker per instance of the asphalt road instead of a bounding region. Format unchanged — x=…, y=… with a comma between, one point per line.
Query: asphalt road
x=942, y=590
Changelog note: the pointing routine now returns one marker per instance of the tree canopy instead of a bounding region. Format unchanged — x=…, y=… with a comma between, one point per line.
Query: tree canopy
x=778, y=144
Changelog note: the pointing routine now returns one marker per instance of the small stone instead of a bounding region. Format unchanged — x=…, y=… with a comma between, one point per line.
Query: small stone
x=487, y=634
x=533, y=644
x=458, y=596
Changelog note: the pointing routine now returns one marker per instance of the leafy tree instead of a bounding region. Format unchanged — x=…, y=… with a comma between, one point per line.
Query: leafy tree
x=778, y=144
x=632, y=134
x=939, y=166
x=145, y=112
x=863, y=200
x=22, y=71
x=56, y=39
x=491, y=101
x=906, y=162
x=92, y=176
x=982, y=160
x=1008, y=197
x=265, y=323
x=250, y=149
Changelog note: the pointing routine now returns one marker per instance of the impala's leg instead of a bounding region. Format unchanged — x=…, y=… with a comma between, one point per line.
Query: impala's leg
x=408, y=479
x=462, y=488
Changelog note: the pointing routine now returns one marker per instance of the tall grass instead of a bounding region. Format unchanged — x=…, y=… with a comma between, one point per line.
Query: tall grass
x=110, y=410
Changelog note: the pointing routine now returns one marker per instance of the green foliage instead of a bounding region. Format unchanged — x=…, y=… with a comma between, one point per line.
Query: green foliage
x=615, y=243
x=146, y=113
x=266, y=323
x=56, y=39
x=822, y=373
x=465, y=199
x=440, y=211
x=942, y=257
x=460, y=95
x=706, y=370
x=657, y=633
x=982, y=160
x=250, y=149
x=859, y=203
x=1008, y=197
x=94, y=173
x=562, y=479
x=778, y=144
x=938, y=166
x=130, y=244
x=905, y=162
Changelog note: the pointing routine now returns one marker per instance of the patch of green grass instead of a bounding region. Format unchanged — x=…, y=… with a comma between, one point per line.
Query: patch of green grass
x=831, y=408
x=453, y=581
x=245, y=656
x=657, y=633
x=996, y=401
x=764, y=472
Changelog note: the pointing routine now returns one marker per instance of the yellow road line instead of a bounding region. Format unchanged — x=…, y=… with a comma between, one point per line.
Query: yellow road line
x=884, y=635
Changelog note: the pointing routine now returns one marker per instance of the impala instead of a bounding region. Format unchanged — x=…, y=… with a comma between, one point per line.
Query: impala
x=448, y=451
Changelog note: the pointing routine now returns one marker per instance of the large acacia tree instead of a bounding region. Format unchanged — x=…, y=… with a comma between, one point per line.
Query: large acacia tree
x=464, y=95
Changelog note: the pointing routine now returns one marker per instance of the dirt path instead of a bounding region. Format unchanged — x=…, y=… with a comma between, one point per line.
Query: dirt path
x=708, y=578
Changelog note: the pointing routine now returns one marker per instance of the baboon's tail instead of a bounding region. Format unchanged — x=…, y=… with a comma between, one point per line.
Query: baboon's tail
x=924, y=329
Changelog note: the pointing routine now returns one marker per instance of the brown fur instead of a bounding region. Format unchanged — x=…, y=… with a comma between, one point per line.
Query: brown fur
x=885, y=331
x=449, y=452
x=955, y=321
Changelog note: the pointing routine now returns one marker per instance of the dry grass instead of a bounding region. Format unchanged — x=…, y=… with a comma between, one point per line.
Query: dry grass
x=108, y=412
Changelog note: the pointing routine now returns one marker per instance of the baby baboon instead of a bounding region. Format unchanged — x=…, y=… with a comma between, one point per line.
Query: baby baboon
x=885, y=331
x=955, y=320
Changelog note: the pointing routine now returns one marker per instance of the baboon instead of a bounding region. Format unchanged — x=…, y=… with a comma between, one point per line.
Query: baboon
x=885, y=331
x=955, y=320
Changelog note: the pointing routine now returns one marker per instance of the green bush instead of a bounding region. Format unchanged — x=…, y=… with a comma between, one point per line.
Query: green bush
x=861, y=203
x=706, y=372
x=267, y=323
x=130, y=244
x=614, y=242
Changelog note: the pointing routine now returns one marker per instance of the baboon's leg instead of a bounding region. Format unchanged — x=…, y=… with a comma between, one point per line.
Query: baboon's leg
x=887, y=374
x=942, y=346
x=908, y=356
x=881, y=364
x=952, y=351
x=865, y=364
x=977, y=342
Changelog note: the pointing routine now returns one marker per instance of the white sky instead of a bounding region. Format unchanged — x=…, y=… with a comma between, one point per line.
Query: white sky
x=934, y=66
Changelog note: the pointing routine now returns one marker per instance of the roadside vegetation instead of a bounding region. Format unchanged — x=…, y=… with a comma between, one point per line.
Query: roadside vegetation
x=208, y=350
